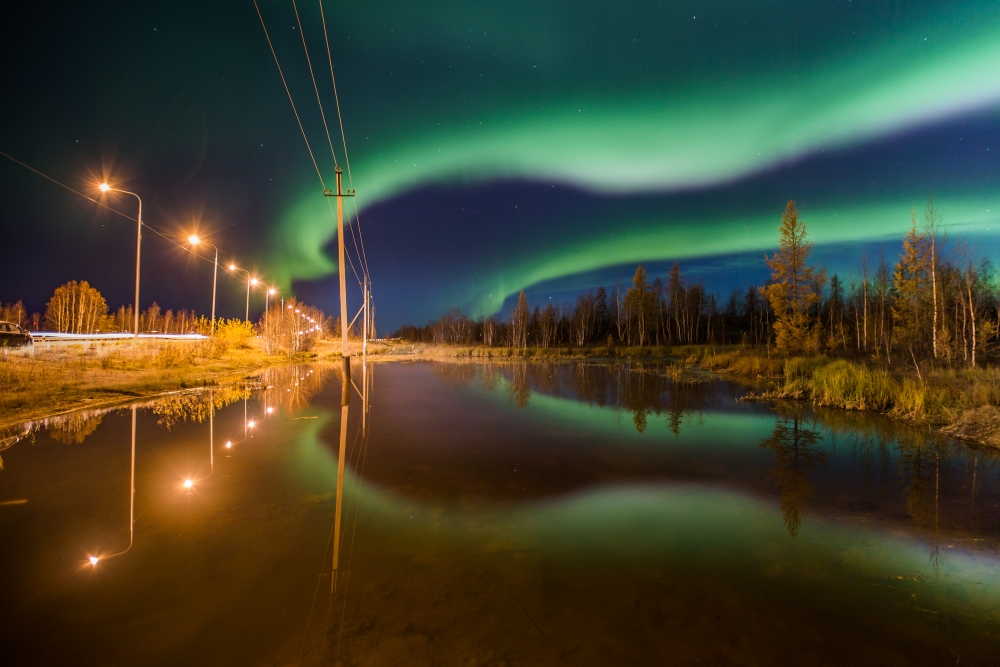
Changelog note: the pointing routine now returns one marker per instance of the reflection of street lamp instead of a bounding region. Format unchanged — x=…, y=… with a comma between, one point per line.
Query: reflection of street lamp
x=131, y=503
x=104, y=187
x=194, y=240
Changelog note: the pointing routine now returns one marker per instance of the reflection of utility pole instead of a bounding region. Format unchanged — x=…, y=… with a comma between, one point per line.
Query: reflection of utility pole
x=131, y=501
x=211, y=428
x=345, y=401
x=340, y=194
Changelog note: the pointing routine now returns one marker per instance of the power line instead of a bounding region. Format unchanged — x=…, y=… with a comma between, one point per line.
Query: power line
x=315, y=87
x=357, y=217
x=362, y=259
x=292, y=102
x=364, y=256
x=336, y=98
x=161, y=233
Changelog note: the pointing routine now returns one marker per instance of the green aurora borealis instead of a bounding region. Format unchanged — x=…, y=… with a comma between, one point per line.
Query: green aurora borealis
x=494, y=148
x=677, y=111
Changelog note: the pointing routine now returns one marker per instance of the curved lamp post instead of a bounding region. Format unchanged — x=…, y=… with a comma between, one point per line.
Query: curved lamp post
x=194, y=241
x=250, y=281
x=104, y=187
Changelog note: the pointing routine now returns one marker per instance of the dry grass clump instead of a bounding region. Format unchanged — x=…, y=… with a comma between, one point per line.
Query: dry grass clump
x=844, y=384
x=739, y=362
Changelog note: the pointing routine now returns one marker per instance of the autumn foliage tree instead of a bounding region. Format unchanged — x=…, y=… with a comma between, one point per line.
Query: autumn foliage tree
x=796, y=288
x=911, y=281
x=76, y=307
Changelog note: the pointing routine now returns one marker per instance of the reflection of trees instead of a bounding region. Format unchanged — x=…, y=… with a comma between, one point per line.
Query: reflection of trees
x=292, y=388
x=920, y=468
x=517, y=387
x=73, y=428
x=642, y=389
x=796, y=452
x=196, y=406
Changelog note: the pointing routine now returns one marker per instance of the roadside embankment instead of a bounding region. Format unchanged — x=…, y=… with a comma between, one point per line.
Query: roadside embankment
x=68, y=376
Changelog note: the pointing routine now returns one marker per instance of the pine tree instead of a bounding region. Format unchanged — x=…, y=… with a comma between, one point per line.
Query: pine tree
x=793, y=292
x=911, y=285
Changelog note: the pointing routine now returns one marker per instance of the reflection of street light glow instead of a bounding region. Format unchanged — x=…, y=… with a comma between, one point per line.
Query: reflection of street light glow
x=228, y=445
x=93, y=559
x=188, y=483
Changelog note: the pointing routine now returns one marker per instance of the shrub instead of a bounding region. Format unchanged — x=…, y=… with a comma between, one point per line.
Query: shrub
x=847, y=385
x=234, y=333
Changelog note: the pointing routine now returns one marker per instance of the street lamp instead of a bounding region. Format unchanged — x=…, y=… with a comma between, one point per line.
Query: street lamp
x=104, y=187
x=194, y=240
x=250, y=281
x=267, y=298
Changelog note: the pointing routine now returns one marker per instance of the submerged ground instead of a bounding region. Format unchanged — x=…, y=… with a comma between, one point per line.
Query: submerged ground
x=523, y=513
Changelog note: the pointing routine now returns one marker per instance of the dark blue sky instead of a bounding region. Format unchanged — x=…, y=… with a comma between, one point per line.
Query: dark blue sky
x=547, y=147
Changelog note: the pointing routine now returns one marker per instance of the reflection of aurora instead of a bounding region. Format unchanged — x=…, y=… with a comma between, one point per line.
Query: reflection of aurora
x=667, y=103
x=672, y=428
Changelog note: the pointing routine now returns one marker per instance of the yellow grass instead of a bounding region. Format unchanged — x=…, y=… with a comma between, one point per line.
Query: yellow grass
x=63, y=376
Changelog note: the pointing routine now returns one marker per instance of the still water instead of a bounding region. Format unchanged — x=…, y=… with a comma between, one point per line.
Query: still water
x=519, y=514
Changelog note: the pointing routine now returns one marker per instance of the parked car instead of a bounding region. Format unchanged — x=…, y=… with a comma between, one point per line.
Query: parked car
x=12, y=335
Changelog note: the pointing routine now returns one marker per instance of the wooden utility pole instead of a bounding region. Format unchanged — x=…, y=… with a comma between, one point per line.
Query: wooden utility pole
x=340, y=194
x=364, y=339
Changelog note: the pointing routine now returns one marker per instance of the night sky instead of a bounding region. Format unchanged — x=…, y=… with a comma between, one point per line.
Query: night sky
x=547, y=146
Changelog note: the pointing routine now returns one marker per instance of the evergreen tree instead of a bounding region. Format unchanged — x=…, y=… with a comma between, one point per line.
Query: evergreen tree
x=794, y=290
x=911, y=290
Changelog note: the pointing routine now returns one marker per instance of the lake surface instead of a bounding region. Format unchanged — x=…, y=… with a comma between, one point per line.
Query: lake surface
x=518, y=514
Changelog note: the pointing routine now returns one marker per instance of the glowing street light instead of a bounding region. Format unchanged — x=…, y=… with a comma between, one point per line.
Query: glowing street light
x=194, y=240
x=250, y=423
x=229, y=445
x=267, y=297
x=188, y=483
x=93, y=560
x=250, y=281
x=105, y=188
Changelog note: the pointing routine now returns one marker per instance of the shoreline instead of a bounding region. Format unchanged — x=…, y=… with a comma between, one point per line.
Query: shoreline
x=958, y=403
x=102, y=375
x=962, y=403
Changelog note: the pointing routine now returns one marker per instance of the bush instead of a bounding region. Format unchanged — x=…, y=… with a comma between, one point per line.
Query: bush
x=844, y=384
x=234, y=333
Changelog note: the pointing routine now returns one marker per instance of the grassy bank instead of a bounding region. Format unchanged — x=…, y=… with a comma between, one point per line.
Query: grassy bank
x=962, y=402
x=67, y=376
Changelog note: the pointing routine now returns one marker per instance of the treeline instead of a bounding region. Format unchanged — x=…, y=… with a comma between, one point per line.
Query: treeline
x=937, y=301
x=77, y=307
